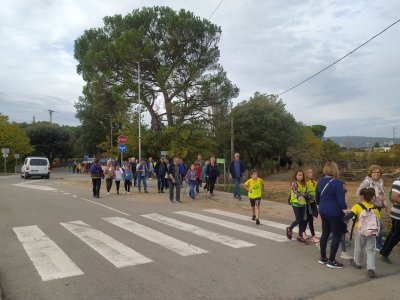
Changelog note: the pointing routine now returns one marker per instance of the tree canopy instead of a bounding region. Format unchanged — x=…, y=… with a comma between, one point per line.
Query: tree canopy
x=180, y=75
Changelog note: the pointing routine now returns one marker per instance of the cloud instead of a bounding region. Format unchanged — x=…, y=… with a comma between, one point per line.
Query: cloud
x=266, y=46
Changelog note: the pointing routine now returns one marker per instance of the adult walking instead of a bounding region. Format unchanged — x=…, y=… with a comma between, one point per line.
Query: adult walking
x=235, y=173
x=141, y=170
x=175, y=178
x=330, y=197
x=212, y=175
x=150, y=168
x=109, y=175
x=374, y=180
x=394, y=236
x=96, y=172
x=160, y=170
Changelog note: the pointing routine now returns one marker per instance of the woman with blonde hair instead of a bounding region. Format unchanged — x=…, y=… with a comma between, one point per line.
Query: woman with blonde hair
x=311, y=209
x=330, y=197
x=374, y=180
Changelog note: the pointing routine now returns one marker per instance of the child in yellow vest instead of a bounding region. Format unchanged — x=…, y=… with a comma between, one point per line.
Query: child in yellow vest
x=255, y=187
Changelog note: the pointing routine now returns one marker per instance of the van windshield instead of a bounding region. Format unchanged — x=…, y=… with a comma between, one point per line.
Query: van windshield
x=38, y=162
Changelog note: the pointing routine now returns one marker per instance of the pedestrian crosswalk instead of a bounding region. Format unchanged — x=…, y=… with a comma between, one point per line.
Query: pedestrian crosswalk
x=51, y=262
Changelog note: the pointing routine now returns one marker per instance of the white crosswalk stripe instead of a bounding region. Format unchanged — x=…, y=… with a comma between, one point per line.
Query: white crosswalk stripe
x=214, y=236
x=245, y=229
x=247, y=218
x=115, y=252
x=49, y=260
x=166, y=241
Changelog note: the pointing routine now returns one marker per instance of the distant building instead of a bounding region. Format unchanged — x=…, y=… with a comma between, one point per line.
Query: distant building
x=382, y=149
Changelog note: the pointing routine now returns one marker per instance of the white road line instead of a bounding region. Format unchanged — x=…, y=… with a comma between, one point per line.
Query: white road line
x=36, y=187
x=246, y=229
x=30, y=182
x=214, y=236
x=247, y=218
x=75, y=196
x=66, y=193
x=94, y=202
x=115, y=252
x=49, y=260
x=166, y=241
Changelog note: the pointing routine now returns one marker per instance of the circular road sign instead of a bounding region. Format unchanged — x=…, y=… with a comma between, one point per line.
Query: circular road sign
x=121, y=139
x=122, y=148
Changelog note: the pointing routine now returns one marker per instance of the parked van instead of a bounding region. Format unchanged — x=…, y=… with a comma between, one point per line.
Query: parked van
x=35, y=166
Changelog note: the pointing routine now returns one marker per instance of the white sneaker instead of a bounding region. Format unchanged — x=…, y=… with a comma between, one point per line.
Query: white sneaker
x=108, y=193
x=129, y=193
x=125, y=192
x=345, y=255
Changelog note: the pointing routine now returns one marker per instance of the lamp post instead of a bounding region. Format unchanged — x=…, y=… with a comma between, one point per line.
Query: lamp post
x=16, y=156
x=139, y=109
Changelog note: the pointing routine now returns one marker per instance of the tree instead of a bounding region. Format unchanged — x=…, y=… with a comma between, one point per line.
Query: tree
x=308, y=148
x=376, y=145
x=49, y=139
x=263, y=129
x=12, y=136
x=178, y=53
x=318, y=130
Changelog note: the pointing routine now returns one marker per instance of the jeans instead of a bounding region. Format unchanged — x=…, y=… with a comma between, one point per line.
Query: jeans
x=299, y=213
x=109, y=182
x=334, y=225
x=161, y=183
x=211, y=184
x=192, y=185
x=117, y=183
x=135, y=179
x=198, y=185
x=140, y=179
x=392, y=239
x=177, y=186
x=236, y=191
x=367, y=244
x=96, y=182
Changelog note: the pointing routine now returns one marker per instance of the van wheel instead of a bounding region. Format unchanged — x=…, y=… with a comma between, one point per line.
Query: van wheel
x=26, y=175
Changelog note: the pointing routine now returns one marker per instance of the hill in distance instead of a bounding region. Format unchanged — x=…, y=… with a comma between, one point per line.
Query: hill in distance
x=362, y=141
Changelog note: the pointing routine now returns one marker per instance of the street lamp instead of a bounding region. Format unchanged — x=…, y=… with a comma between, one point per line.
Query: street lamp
x=16, y=156
x=139, y=108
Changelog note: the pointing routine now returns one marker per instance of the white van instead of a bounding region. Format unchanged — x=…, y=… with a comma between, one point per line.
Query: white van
x=35, y=166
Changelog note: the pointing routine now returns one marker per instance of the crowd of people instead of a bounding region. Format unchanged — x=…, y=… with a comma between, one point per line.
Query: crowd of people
x=309, y=198
x=326, y=199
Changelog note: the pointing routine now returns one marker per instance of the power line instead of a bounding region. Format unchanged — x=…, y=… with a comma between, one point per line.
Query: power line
x=215, y=9
x=334, y=63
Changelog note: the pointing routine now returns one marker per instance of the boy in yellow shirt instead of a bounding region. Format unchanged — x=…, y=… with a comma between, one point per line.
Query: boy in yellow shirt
x=255, y=187
x=367, y=223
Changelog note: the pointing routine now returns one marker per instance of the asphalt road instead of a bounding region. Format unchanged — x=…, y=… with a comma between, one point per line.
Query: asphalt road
x=57, y=242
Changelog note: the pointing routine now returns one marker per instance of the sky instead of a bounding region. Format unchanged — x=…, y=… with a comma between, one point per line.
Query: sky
x=266, y=46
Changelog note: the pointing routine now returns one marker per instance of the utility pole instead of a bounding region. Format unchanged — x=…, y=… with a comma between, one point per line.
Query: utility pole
x=51, y=114
x=140, y=112
x=232, y=134
x=111, y=132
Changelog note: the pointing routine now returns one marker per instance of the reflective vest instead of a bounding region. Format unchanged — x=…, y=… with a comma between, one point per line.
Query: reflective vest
x=300, y=189
x=311, y=187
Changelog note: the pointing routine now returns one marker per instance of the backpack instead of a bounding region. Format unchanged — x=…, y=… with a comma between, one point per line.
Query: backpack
x=368, y=223
x=390, y=192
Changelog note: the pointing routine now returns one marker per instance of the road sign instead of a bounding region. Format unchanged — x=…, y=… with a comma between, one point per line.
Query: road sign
x=5, y=155
x=5, y=150
x=121, y=148
x=220, y=160
x=16, y=155
x=122, y=139
x=164, y=153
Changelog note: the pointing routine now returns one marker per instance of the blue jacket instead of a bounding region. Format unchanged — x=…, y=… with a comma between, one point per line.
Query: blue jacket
x=332, y=202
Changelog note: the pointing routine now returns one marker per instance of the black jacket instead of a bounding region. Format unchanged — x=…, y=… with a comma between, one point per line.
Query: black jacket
x=232, y=169
x=212, y=171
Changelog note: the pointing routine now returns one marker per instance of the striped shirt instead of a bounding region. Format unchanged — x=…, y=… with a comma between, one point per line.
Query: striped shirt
x=395, y=211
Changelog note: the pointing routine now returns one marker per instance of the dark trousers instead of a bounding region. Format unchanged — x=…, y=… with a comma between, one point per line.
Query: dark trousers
x=134, y=179
x=177, y=186
x=198, y=185
x=334, y=225
x=117, y=182
x=109, y=182
x=127, y=185
x=392, y=239
x=300, y=215
x=211, y=184
x=96, y=183
x=160, y=183
x=310, y=218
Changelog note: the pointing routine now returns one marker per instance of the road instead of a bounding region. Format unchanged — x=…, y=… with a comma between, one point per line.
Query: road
x=60, y=243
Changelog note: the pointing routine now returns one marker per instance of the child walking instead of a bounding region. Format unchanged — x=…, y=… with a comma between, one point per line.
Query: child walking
x=367, y=223
x=118, y=173
x=255, y=187
x=311, y=208
x=128, y=179
x=191, y=180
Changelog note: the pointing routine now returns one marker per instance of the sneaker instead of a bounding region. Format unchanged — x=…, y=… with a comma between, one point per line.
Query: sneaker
x=253, y=218
x=371, y=274
x=315, y=239
x=323, y=261
x=304, y=236
x=146, y=192
x=179, y=201
x=334, y=264
x=318, y=245
x=257, y=221
x=353, y=263
x=129, y=193
x=301, y=240
x=108, y=193
x=345, y=255
x=385, y=259
x=125, y=193
x=239, y=198
x=378, y=249
x=347, y=243
x=289, y=233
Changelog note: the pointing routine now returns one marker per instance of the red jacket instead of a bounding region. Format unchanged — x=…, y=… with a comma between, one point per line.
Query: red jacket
x=198, y=170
